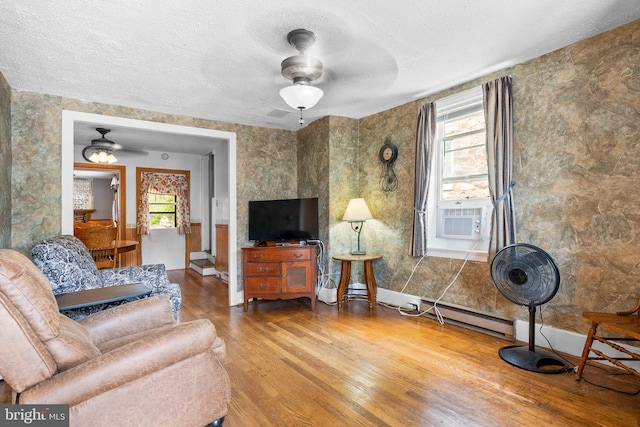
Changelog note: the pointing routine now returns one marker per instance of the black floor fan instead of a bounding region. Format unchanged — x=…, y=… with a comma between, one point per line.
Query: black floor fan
x=526, y=275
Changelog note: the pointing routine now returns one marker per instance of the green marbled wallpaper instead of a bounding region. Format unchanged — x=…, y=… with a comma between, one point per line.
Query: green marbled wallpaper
x=577, y=128
x=313, y=169
x=576, y=158
x=5, y=163
x=36, y=168
x=344, y=184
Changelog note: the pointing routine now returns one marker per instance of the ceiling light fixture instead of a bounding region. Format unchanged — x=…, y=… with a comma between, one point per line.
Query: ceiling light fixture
x=302, y=70
x=101, y=149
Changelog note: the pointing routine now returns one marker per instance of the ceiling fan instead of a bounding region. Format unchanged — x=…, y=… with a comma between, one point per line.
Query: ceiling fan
x=301, y=69
x=102, y=150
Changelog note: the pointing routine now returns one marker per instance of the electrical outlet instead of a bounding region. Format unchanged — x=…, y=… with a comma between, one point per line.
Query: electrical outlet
x=413, y=306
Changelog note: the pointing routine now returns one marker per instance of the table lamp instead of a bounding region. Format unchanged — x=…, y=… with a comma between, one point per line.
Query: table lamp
x=356, y=214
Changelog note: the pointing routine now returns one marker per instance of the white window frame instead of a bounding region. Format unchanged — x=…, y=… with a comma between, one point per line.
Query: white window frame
x=456, y=248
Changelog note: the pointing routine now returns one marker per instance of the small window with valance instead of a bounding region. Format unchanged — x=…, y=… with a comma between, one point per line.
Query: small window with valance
x=163, y=185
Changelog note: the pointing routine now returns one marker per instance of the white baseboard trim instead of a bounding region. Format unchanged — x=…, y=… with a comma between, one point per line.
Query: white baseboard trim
x=562, y=341
x=236, y=298
x=559, y=339
x=397, y=299
x=384, y=296
x=571, y=342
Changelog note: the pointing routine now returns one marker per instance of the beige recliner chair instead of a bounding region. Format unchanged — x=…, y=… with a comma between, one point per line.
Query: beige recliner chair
x=128, y=365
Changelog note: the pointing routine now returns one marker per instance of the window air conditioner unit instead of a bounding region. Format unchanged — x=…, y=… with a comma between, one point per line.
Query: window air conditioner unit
x=463, y=223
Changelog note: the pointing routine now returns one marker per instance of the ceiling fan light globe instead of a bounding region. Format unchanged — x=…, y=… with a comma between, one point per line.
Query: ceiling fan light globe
x=301, y=96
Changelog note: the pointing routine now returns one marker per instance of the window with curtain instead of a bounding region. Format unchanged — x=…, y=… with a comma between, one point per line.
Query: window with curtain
x=458, y=204
x=163, y=186
x=456, y=184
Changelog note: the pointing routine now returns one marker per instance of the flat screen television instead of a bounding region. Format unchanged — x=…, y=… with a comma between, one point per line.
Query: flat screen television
x=282, y=220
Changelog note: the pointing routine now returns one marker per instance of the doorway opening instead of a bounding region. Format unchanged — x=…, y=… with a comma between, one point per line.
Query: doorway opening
x=106, y=173
x=73, y=119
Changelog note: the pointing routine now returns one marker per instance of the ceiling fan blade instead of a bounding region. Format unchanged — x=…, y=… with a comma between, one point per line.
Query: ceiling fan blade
x=133, y=151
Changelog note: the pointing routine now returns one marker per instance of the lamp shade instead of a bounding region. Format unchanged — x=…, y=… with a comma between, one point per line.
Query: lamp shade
x=301, y=96
x=357, y=210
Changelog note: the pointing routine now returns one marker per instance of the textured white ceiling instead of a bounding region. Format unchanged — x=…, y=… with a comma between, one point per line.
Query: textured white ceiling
x=220, y=60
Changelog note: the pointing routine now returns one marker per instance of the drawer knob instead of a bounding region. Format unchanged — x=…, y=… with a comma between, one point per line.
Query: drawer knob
x=257, y=256
x=263, y=269
x=298, y=255
x=263, y=285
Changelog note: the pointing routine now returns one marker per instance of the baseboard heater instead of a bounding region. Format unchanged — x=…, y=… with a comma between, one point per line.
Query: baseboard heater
x=490, y=324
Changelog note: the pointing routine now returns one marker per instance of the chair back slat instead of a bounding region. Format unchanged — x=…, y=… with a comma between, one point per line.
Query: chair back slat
x=101, y=240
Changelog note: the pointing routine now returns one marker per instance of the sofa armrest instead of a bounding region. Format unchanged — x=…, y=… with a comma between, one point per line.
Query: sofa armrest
x=126, y=319
x=125, y=364
x=153, y=275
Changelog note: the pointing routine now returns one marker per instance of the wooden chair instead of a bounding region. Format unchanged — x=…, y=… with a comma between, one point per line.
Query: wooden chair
x=101, y=240
x=626, y=323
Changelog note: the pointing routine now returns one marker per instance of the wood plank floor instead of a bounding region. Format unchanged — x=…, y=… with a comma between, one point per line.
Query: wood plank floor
x=290, y=366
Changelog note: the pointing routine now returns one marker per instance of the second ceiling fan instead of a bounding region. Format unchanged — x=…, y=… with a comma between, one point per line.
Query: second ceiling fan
x=102, y=150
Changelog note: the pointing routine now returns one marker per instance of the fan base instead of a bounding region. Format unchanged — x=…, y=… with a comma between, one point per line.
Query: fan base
x=540, y=361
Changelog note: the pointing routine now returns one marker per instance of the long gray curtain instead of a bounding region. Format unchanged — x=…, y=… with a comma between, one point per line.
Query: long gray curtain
x=425, y=136
x=498, y=107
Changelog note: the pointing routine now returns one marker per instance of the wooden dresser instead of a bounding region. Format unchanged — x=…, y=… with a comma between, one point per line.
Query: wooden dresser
x=279, y=272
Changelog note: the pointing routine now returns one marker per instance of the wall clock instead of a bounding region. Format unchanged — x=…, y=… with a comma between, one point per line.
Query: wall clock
x=388, y=155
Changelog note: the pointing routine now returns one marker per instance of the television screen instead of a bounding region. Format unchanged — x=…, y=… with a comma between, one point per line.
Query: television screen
x=280, y=220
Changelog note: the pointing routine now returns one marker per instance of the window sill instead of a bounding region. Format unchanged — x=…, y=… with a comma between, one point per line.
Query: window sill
x=474, y=255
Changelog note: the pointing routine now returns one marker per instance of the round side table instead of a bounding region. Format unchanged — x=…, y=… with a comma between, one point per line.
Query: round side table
x=345, y=276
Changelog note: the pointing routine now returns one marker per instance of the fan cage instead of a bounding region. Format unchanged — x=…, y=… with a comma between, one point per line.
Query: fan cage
x=525, y=274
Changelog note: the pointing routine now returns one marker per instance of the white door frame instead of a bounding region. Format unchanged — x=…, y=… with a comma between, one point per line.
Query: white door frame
x=68, y=123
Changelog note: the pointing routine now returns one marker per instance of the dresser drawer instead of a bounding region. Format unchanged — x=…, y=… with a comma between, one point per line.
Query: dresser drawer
x=280, y=254
x=266, y=285
x=263, y=269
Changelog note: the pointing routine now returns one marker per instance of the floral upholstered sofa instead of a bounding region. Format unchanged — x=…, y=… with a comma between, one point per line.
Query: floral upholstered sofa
x=68, y=265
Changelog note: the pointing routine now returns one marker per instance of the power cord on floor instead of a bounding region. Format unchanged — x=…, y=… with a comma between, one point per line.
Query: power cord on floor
x=324, y=278
x=628, y=393
x=398, y=307
x=570, y=368
x=434, y=307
